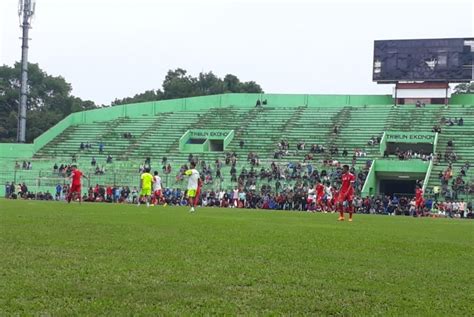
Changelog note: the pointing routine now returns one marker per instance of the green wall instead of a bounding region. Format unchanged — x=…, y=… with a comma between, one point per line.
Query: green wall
x=465, y=99
x=396, y=166
x=370, y=182
x=14, y=150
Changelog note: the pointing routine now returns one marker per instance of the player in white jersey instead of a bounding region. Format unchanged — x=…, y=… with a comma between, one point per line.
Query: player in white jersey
x=156, y=188
x=328, y=196
x=235, y=197
x=310, y=200
x=194, y=186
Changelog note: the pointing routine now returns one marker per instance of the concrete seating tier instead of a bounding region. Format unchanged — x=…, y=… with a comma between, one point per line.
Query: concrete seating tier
x=261, y=129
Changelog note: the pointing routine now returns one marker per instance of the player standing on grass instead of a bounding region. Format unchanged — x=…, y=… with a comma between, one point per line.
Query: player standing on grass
x=320, y=195
x=328, y=196
x=156, y=188
x=194, y=186
x=75, y=188
x=346, y=193
x=420, y=202
x=146, y=181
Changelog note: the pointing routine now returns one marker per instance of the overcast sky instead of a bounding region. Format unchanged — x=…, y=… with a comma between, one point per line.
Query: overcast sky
x=111, y=49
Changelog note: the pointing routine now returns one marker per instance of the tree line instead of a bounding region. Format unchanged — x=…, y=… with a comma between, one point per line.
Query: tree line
x=50, y=98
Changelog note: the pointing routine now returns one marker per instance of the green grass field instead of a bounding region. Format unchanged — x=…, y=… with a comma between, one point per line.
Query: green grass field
x=102, y=259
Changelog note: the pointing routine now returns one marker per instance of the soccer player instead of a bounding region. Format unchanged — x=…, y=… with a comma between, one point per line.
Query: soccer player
x=420, y=202
x=235, y=197
x=328, y=196
x=310, y=200
x=346, y=193
x=320, y=195
x=145, y=185
x=194, y=185
x=75, y=188
x=156, y=188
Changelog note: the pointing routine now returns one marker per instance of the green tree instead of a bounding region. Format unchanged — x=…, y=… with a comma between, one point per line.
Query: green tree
x=465, y=88
x=179, y=84
x=49, y=101
x=149, y=95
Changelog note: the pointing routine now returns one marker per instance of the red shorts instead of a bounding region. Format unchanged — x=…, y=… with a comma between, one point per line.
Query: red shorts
x=345, y=197
x=158, y=193
x=420, y=203
x=75, y=188
x=319, y=199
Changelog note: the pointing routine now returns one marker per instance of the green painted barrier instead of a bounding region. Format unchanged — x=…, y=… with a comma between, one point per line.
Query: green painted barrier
x=396, y=168
x=207, y=136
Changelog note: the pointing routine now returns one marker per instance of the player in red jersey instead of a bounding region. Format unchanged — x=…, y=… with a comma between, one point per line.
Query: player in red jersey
x=320, y=195
x=75, y=188
x=419, y=201
x=346, y=193
x=335, y=197
x=198, y=193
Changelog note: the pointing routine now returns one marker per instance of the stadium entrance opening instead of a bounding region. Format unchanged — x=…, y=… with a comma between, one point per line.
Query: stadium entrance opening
x=196, y=141
x=397, y=187
x=393, y=176
x=216, y=145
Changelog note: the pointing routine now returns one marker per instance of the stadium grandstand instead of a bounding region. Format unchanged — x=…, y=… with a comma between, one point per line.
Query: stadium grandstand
x=390, y=147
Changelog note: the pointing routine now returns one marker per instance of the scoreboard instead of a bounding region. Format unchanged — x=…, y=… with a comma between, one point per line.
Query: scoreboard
x=434, y=60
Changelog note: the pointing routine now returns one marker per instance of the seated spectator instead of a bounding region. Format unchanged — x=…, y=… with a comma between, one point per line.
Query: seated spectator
x=93, y=161
x=372, y=141
x=109, y=159
x=81, y=147
x=461, y=122
x=436, y=128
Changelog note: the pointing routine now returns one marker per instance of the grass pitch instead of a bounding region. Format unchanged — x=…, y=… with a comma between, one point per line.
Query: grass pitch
x=104, y=259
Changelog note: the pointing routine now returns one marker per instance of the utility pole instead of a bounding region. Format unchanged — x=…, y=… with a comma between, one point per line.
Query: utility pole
x=26, y=10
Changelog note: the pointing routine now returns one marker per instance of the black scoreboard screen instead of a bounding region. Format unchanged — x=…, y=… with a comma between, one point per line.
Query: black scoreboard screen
x=447, y=60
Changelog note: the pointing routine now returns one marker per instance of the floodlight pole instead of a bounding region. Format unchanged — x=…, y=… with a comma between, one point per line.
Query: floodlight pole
x=25, y=12
x=396, y=96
